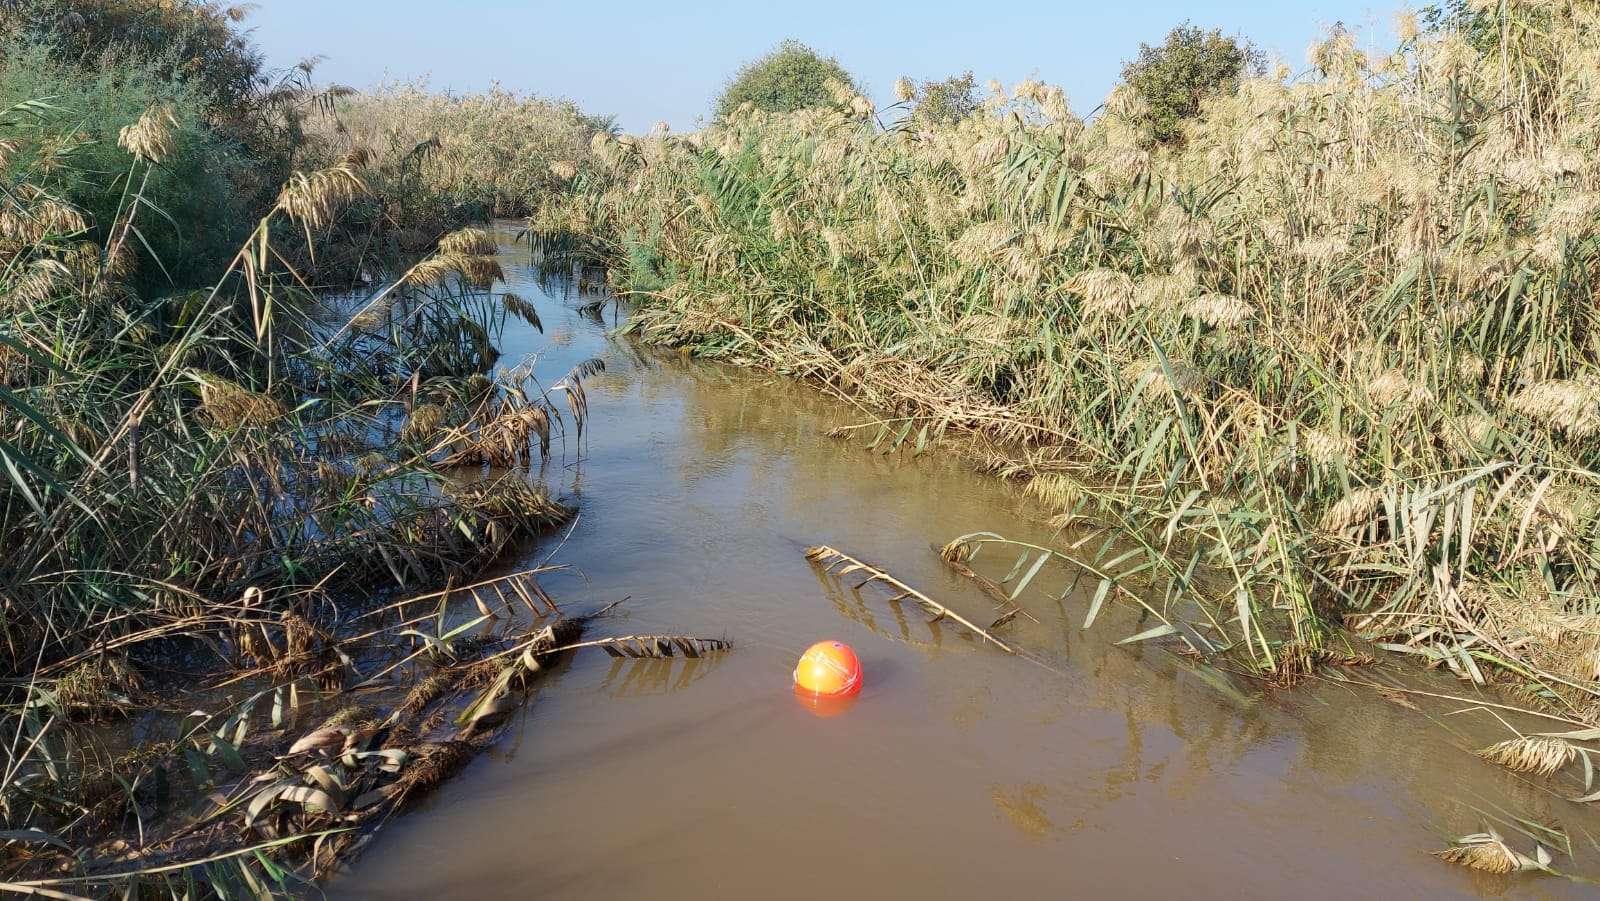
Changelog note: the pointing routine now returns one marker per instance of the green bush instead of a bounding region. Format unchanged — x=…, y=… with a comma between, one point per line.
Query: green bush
x=1191, y=66
x=193, y=40
x=194, y=218
x=947, y=101
x=791, y=77
x=1477, y=27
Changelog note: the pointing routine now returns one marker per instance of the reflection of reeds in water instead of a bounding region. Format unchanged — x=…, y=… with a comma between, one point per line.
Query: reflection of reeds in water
x=1021, y=805
x=653, y=676
x=851, y=605
x=839, y=565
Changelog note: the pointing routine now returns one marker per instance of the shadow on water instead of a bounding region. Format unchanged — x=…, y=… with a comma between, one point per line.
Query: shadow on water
x=959, y=771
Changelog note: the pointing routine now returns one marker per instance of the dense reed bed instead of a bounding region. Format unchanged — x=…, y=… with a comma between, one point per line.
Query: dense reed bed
x=1329, y=359
x=490, y=153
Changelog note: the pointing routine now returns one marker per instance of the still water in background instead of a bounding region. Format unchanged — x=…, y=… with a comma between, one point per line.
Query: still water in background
x=959, y=771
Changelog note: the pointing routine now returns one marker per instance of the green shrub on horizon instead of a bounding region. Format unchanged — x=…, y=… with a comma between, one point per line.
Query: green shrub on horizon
x=1189, y=67
x=790, y=77
x=946, y=100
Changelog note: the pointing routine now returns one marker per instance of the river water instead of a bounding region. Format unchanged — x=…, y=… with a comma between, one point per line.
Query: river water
x=1117, y=772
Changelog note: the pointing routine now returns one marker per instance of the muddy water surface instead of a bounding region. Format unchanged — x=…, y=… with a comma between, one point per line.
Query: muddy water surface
x=960, y=771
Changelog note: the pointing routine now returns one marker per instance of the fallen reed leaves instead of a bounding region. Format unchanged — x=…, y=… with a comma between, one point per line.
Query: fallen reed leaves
x=304, y=801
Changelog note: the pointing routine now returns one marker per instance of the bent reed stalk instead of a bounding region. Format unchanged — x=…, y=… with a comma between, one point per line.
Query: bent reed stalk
x=1337, y=346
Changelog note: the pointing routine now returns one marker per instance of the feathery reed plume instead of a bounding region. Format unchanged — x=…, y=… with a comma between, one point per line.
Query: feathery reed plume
x=1354, y=509
x=1406, y=27
x=1150, y=380
x=1569, y=405
x=1323, y=250
x=478, y=271
x=313, y=199
x=522, y=309
x=152, y=138
x=1468, y=433
x=842, y=93
x=230, y=405
x=1326, y=448
x=1105, y=292
x=1392, y=387
x=1219, y=310
x=987, y=152
x=1162, y=291
x=831, y=151
x=359, y=156
x=979, y=241
x=423, y=422
x=468, y=242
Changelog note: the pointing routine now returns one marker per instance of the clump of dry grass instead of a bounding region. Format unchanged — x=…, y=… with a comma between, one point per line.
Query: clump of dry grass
x=1540, y=755
x=97, y=688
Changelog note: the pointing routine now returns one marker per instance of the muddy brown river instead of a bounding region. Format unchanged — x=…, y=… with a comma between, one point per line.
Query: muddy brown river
x=1118, y=772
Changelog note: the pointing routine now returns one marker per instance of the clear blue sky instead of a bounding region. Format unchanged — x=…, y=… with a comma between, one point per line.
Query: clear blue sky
x=666, y=59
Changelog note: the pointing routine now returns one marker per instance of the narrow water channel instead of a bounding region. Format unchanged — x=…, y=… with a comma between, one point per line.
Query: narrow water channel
x=960, y=771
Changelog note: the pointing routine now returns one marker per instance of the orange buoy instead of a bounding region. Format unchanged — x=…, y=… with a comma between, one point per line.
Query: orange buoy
x=828, y=669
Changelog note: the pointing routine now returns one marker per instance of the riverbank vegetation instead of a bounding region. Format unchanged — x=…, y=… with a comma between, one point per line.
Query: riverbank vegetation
x=1324, y=355
x=213, y=475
